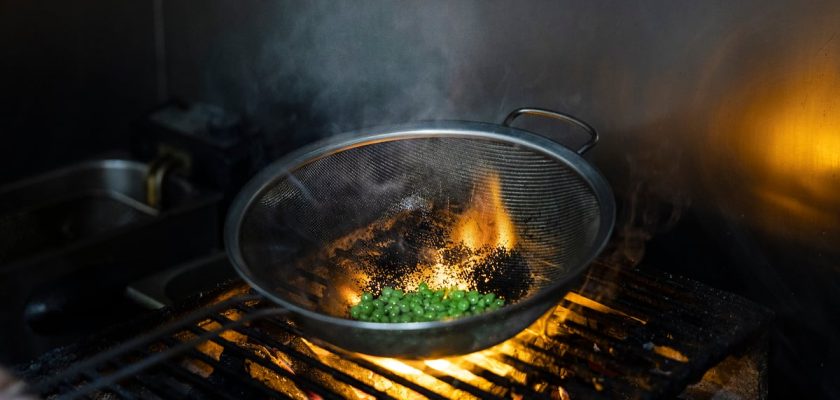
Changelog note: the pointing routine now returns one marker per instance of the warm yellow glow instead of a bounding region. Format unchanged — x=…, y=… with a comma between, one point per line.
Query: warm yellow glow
x=802, y=124
x=670, y=352
x=783, y=130
x=350, y=295
x=486, y=222
x=419, y=377
x=589, y=303
x=484, y=359
x=440, y=276
x=395, y=365
x=462, y=374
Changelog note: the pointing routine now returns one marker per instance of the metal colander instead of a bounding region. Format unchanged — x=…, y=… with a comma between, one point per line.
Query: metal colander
x=482, y=206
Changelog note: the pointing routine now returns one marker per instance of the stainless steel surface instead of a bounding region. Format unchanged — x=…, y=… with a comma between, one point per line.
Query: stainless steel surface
x=175, y=285
x=593, y=135
x=75, y=204
x=558, y=204
x=72, y=239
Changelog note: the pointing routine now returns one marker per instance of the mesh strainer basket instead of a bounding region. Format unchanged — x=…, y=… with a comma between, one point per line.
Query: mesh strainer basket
x=481, y=206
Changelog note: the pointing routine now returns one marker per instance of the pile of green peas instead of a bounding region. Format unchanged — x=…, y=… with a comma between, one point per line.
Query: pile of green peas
x=422, y=305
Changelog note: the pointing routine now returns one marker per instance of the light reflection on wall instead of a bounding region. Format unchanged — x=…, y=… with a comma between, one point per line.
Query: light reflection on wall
x=782, y=128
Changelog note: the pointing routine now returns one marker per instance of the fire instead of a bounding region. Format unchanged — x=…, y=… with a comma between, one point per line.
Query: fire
x=486, y=222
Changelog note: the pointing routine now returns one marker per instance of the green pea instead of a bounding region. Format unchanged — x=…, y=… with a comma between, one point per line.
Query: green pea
x=473, y=296
x=424, y=304
x=463, y=305
x=387, y=291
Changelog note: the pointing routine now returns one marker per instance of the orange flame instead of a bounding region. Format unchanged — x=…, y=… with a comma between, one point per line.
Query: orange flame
x=486, y=222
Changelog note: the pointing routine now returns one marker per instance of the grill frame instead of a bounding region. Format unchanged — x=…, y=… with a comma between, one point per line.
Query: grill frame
x=704, y=323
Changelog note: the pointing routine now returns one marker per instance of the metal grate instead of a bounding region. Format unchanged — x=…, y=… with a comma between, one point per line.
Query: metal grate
x=625, y=334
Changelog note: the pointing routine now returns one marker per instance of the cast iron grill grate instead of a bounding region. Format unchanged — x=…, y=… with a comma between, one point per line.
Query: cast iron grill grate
x=625, y=334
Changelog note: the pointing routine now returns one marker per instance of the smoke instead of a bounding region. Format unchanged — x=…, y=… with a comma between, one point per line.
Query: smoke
x=309, y=70
x=329, y=67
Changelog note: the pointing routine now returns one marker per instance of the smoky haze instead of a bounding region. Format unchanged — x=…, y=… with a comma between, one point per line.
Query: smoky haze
x=685, y=95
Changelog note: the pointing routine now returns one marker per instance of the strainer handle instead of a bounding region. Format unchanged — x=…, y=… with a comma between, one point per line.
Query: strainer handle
x=560, y=116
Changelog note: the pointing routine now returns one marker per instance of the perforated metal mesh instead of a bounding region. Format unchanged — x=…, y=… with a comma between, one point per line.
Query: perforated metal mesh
x=553, y=209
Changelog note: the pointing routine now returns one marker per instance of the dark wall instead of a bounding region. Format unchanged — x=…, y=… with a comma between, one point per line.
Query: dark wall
x=72, y=76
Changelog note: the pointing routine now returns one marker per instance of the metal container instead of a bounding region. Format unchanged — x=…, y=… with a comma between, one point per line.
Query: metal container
x=560, y=205
x=73, y=238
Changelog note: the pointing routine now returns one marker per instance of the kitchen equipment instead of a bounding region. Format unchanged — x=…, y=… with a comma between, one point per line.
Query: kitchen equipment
x=73, y=238
x=557, y=208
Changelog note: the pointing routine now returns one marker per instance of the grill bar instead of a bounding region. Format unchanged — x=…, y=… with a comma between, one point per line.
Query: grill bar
x=262, y=339
x=218, y=366
x=305, y=382
x=606, y=348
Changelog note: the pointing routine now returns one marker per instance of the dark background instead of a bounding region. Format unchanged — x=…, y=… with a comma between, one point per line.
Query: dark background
x=720, y=120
